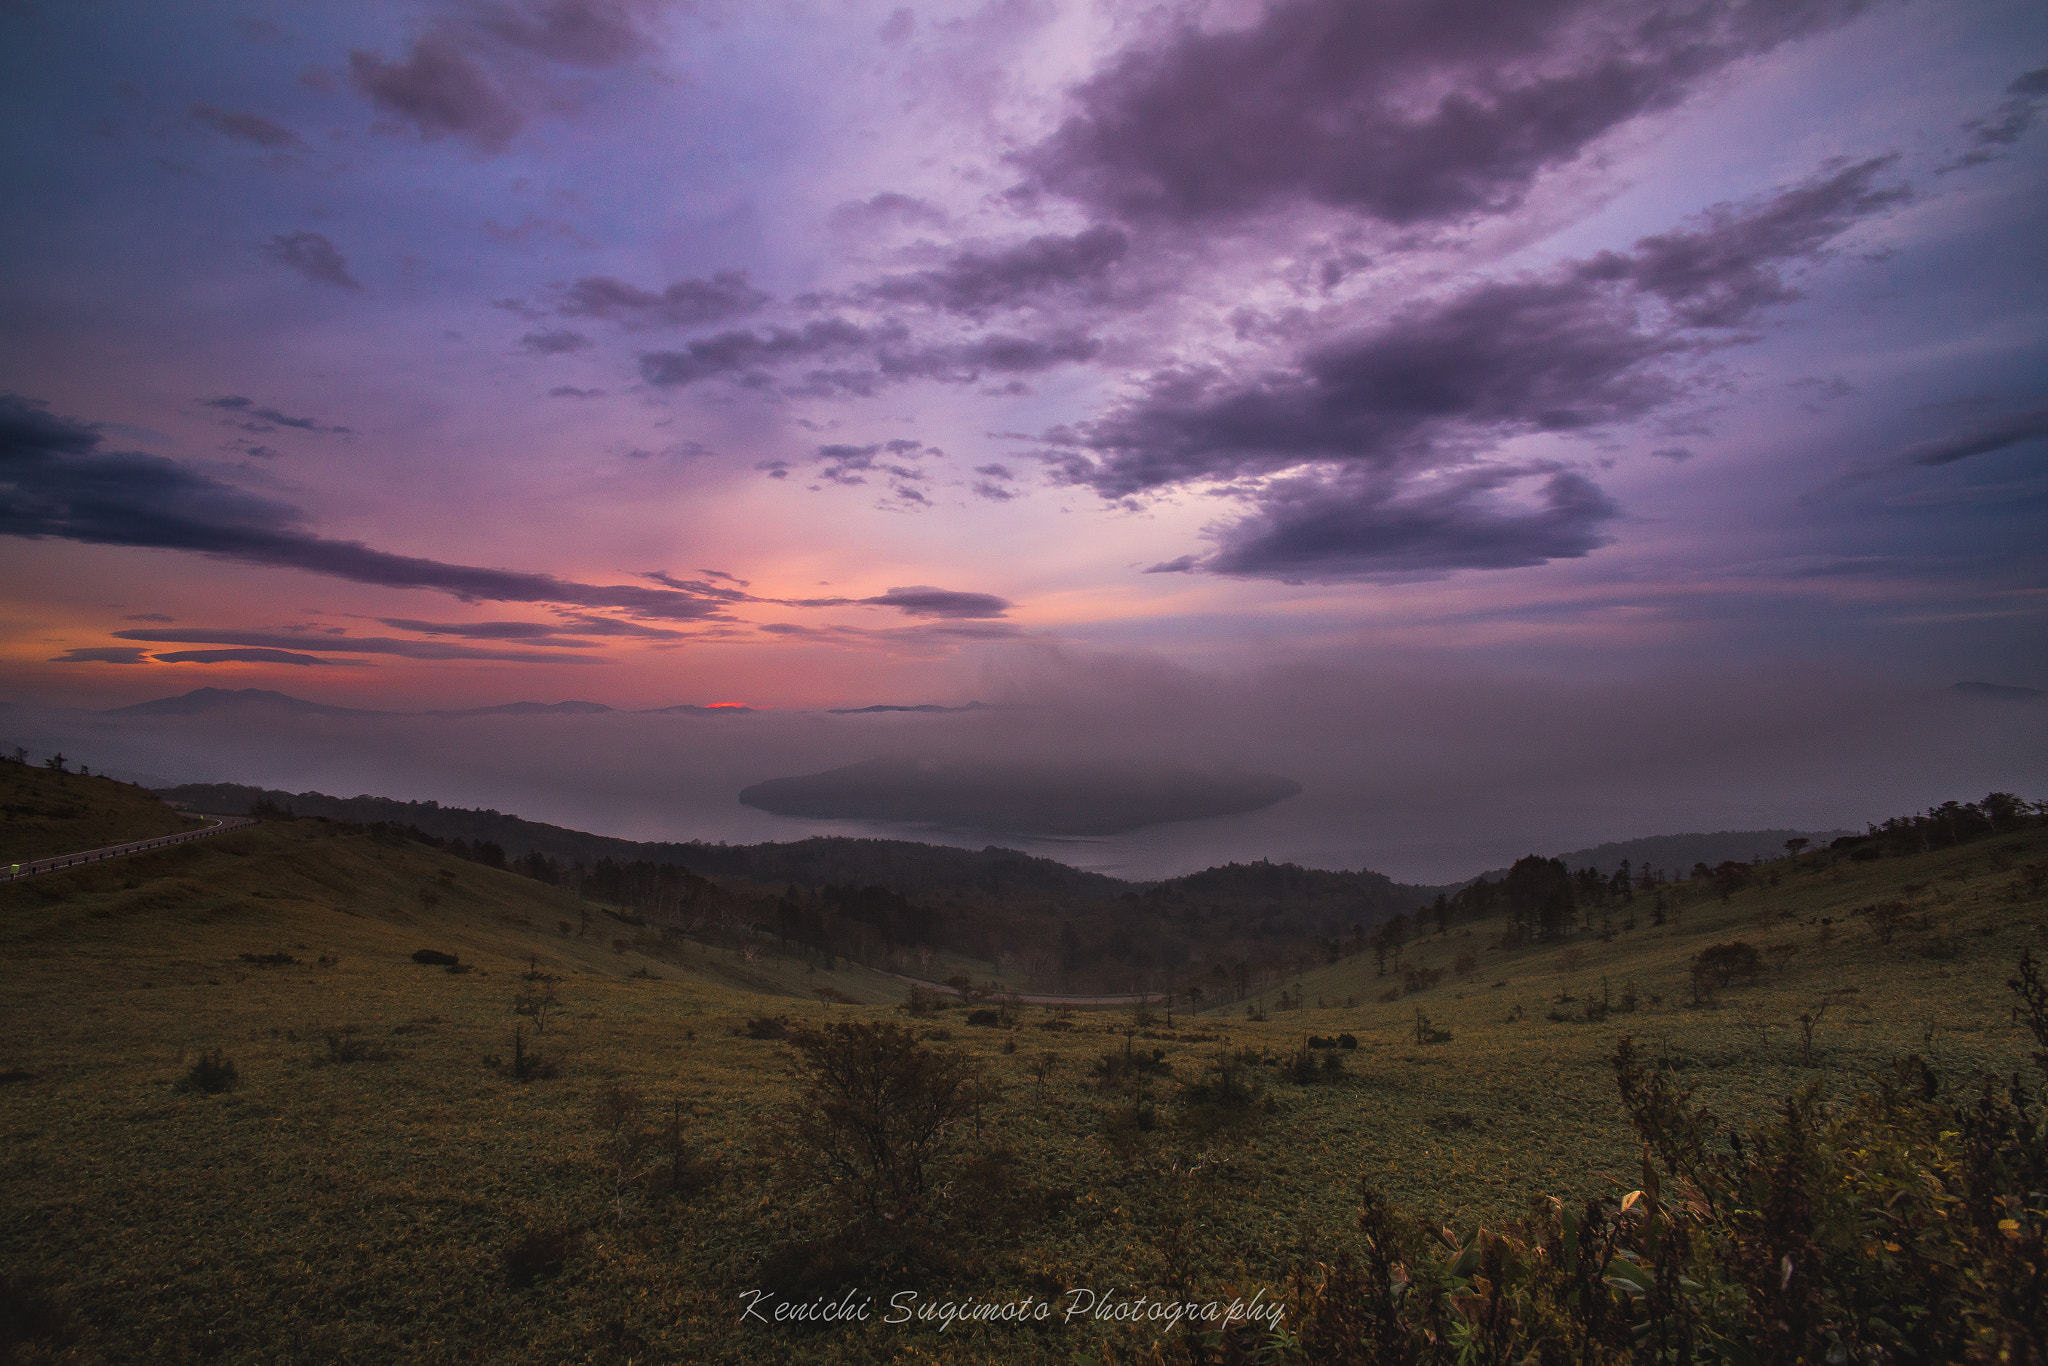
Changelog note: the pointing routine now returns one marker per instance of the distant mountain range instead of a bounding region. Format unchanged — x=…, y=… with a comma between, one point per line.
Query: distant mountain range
x=203, y=700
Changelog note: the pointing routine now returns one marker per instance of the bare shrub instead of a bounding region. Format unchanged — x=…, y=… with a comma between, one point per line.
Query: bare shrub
x=877, y=1111
x=538, y=1003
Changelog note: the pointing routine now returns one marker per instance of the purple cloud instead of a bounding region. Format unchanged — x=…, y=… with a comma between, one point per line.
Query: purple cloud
x=686, y=303
x=1375, y=528
x=587, y=33
x=554, y=341
x=58, y=483
x=1410, y=111
x=441, y=92
x=101, y=654
x=271, y=642
x=255, y=656
x=1588, y=344
x=923, y=601
x=262, y=419
x=978, y=281
x=313, y=256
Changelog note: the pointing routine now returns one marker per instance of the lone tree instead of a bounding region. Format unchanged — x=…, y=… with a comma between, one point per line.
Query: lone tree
x=877, y=1110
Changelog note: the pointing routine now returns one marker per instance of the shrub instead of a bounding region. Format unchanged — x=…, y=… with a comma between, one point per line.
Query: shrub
x=1347, y=1041
x=212, y=1074
x=528, y=1064
x=1726, y=964
x=435, y=958
x=538, y=1003
x=539, y=1254
x=766, y=1027
x=37, y=1322
x=876, y=1113
x=270, y=960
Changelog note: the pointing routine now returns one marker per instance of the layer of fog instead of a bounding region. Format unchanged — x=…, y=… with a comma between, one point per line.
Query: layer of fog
x=1427, y=778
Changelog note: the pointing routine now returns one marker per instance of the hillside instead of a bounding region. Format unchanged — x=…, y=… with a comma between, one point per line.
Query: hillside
x=901, y=865
x=44, y=812
x=1678, y=853
x=378, y=1178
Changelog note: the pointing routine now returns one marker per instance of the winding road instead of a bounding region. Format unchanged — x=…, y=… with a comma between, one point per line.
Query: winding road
x=57, y=862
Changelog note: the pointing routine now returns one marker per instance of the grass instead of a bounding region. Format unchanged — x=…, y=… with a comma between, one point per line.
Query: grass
x=421, y=1203
x=43, y=813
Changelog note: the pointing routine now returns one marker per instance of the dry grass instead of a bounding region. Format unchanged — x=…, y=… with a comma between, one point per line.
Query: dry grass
x=427, y=1205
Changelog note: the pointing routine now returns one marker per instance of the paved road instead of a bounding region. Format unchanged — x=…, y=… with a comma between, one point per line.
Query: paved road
x=220, y=826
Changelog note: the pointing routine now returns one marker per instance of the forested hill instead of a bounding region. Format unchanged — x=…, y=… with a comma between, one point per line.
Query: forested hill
x=1677, y=853
x=912, y=869
x=1305, y=899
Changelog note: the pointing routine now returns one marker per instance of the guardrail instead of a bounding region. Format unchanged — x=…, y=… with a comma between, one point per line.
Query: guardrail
x=57, y=862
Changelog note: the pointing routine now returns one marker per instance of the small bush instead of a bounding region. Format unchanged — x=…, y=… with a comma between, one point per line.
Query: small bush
x=435, y=958
x=270, y=960
x=766, y=1027
x=212, y=1074
x=539, y=1254
x=37, y=1322
x=1347, y=1041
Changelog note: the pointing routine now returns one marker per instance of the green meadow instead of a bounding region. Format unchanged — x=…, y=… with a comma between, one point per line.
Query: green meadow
x=406, y=1167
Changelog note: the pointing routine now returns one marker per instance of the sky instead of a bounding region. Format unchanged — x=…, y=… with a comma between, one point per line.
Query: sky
x=1403, y=375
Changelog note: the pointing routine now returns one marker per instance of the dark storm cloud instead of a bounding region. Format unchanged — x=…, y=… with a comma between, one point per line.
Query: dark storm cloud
x=102, y=654
x=1329, y=531
x=555, y=341
x=313, y=256
x=1411, y=110
x=686, y=303
x=441, y=92
x=891, y=355
x=977, y=281
x=257, y=656
x=57, y=482
x=261, y=418
x=248, y=127
x=339, y=644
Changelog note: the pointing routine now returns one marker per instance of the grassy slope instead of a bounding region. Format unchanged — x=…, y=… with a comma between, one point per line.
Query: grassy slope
x=360, y=1211
x=44, y=813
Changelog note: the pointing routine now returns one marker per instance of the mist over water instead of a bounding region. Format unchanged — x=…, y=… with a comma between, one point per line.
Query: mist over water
x=1424, y=779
